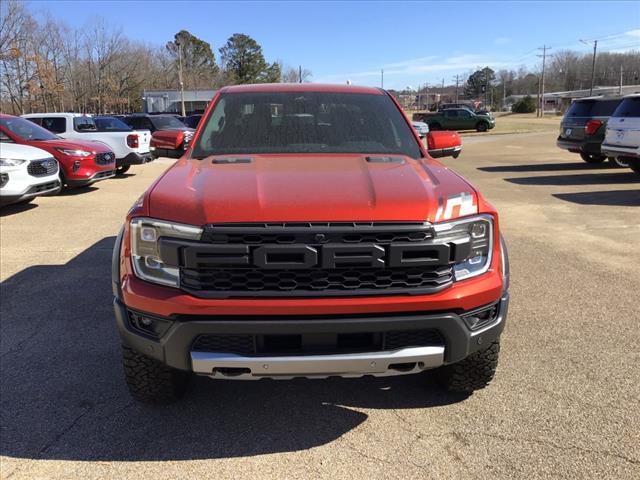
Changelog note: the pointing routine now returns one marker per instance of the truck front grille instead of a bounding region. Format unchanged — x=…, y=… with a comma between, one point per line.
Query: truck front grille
x=335, y=282
x=319, y=344
x=291, y=259
x=42, y=168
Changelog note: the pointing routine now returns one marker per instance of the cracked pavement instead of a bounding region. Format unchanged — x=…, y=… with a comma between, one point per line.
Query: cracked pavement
x=565, y=402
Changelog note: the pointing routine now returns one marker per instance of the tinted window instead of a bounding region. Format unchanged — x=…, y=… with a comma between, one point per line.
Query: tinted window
x=55, y=125
x=629, y=107
x=306, y=122
x=605, y=108
x=580, y=109
x=84, y=124
x=168, y=122
x=111, y=124
x=192, y=121
x=25, y=129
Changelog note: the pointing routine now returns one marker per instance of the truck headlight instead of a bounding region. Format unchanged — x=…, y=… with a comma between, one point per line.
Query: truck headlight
x=145, y=254
x=478, y=230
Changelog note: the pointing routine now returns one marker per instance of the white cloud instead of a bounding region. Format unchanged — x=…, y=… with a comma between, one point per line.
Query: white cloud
x=501, y=40
x=633, y=33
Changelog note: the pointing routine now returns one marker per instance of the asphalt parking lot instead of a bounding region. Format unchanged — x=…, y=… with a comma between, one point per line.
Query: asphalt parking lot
x=565, y=402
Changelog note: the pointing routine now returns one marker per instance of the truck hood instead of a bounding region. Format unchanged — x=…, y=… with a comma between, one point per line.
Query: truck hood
x=306, y=188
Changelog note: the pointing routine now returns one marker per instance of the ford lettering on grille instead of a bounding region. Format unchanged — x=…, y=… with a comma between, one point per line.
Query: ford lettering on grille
x=311, y=261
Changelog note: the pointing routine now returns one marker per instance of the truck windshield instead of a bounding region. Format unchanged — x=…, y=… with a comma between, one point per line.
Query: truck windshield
x=305, y=122
x=111, y=124
x=26, y=130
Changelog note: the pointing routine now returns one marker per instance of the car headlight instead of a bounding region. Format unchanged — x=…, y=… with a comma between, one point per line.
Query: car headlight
x=478, y=230
x=74, y=153
x=11, y=162
x=145, y=251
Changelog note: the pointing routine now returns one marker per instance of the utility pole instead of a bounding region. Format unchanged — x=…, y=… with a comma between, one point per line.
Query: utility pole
x=382, y=78
x=184, y=113
x=544, y=49
x=426, y=86
x=593, y=62
x=300, y=73
x=457, y=88
x=620, y=89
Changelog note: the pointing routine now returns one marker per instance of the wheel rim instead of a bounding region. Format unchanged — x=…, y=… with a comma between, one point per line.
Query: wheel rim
x=621, y=162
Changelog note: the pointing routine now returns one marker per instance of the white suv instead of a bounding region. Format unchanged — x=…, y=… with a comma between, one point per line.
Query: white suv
x=622, y=138
x=131, y=147
x=26, y=172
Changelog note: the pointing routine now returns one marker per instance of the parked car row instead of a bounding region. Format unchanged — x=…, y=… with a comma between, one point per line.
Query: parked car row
x=41, y=153
x=598, y=128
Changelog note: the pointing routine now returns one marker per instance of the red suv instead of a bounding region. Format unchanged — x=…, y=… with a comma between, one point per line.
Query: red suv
x=81, y=162
x=308, y=233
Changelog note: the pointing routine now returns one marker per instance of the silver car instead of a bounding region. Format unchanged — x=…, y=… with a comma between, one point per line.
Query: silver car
x=421, y=127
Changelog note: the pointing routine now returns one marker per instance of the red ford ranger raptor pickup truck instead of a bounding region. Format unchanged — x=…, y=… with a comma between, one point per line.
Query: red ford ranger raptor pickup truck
x=306, y=232
x=81, y=162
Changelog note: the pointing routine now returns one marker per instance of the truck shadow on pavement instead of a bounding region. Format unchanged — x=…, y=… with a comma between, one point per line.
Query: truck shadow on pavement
x=63, y=395
x=549, y=167
x=614, y=198
x=578, y=179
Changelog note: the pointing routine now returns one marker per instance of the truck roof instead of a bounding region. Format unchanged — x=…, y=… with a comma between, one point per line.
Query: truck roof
x=300, y=87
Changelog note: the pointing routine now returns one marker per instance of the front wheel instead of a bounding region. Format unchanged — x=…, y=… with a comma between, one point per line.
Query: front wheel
x=619, y=162
x=634, y=164
x=482, y=127
x=473, y=373
x=150, y=381
x=122, y=169
x=592, y=157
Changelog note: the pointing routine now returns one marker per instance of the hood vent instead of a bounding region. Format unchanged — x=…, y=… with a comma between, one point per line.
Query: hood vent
x=224, y=161
x=385, y=160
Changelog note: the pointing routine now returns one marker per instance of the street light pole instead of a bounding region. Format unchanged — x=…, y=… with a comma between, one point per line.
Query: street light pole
x=184, y=113
x=593, y=63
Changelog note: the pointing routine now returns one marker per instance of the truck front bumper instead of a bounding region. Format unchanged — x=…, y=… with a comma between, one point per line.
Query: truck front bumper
x=172, y=341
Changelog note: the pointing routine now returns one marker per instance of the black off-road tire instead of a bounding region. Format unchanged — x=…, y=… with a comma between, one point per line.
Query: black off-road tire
x=150, y=381
x=473, y=373
x=122, y=169
x=592, y=157
x=482, y=126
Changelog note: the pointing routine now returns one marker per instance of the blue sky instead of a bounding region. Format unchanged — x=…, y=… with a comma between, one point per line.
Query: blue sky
x=415, y=42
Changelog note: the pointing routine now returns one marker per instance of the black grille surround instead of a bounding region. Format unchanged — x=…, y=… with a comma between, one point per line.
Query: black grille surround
x=211, y=268
x=261, y=345
x=105, y=158
x=42, y=168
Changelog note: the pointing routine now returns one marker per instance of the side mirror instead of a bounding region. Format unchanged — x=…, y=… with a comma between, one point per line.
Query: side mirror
x=444, y=143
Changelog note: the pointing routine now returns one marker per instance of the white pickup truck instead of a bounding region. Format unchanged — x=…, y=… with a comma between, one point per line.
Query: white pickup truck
x=131, y=147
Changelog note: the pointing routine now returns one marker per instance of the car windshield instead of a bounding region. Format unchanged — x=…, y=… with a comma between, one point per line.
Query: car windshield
x=111, y=124
x=305, y=122
x=26, y=130
x=630, y=107
x=168, y=122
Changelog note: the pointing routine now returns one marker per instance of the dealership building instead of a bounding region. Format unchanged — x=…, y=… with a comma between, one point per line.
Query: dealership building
x=168, y=101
